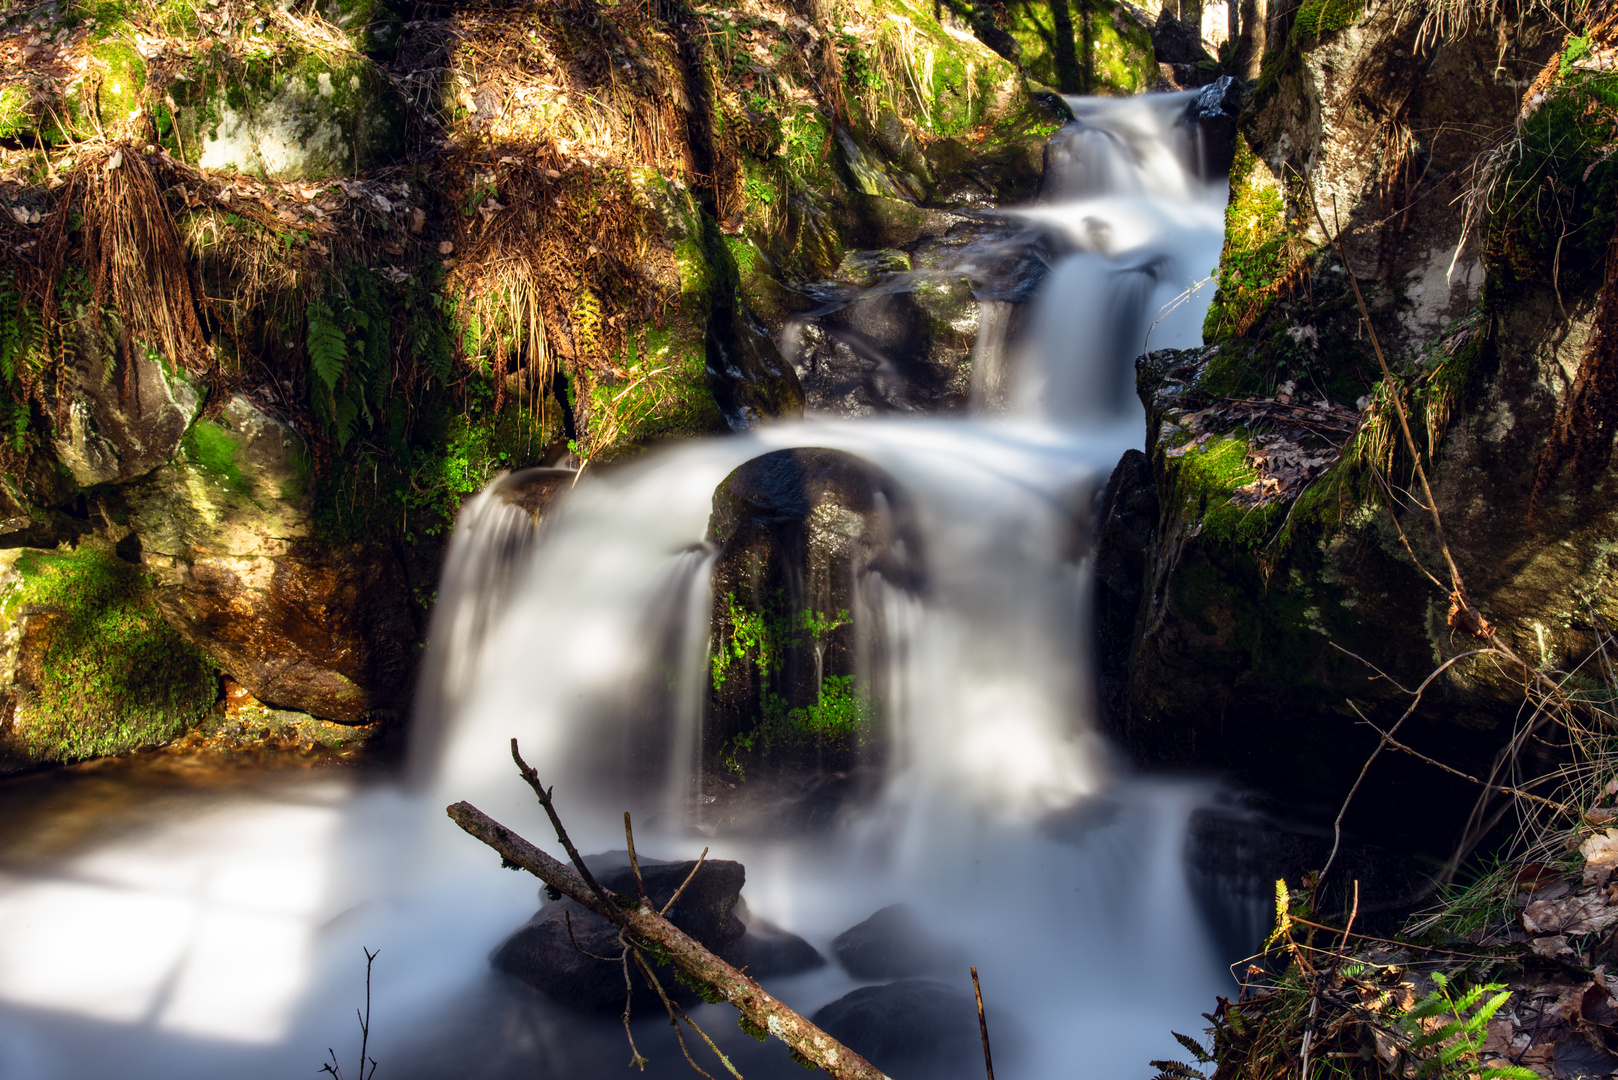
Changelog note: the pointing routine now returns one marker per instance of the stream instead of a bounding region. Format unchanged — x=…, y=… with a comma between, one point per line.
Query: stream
x=165, y=922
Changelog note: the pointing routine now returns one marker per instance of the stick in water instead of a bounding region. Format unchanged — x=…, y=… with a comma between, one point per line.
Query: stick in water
x=983, y=1026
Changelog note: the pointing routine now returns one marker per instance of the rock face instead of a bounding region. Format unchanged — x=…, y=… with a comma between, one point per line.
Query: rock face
x=543, y=953
x=911, y=1030
x=898, y=330
x=1244, y=638
x=893, y=944
x=120, y=426
x=226, y=531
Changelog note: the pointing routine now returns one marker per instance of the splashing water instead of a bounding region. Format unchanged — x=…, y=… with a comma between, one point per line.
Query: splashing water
x=225, y=931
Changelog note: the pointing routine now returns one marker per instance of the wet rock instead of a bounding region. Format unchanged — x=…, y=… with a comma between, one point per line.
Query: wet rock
x=893, y=944
x=1214, y=112
x=1236, y=852
x=549, y=953
x=911, y=1030
x=748, y=377
x=1181, y=58
x=806, y=537
x=226, y=530
x=121, y=424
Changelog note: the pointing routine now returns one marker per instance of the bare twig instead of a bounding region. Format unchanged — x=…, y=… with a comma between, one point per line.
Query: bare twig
x=1498, y=788
x=684, y=883
x=335, y=1070
x=1337, y=824
x=1353, y=913
x=983, y=1026
x=634, y=860
x=544, y=795
x=677, y=1014
x=635, y=1058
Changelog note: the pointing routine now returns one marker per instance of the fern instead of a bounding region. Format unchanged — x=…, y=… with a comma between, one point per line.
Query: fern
x=1460, y=1038
x=328, y=346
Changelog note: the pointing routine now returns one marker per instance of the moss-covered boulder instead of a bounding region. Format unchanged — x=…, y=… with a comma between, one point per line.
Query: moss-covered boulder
x=227, y=532
x=284, y=115
x=88, y=666
x=1089, y=47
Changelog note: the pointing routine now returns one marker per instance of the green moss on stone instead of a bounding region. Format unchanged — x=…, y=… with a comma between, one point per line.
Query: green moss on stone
x=213, y=448
x=112, y=676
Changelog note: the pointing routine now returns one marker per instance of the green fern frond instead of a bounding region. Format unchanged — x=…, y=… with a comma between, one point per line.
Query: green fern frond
x=1176, y=1070
x=1192, y=1045
x=328, y=346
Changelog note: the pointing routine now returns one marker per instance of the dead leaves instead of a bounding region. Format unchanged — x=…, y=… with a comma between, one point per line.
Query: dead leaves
x=1295, y=442
x=1584, y=912
x=1600, y=853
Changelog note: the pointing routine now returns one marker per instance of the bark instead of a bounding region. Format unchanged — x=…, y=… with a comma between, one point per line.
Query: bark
x=646, y=926
x=1250, y=45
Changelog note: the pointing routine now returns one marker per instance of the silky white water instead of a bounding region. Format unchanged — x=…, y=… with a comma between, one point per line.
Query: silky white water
x=221, y=932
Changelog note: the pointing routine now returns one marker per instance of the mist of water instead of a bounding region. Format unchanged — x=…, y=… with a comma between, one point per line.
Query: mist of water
x=228, y=934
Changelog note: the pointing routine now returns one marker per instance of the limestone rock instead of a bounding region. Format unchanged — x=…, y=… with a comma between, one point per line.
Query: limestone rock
x=120, y=428
x=226, y=530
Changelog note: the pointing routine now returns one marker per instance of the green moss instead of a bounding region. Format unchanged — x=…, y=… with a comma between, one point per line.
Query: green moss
x=112, y=675
x=15, y=119
x=1120, y=61
x=1257, y=247
x=1554, y=199
x=213, y=448
x=1316, y=20
x=662, y=394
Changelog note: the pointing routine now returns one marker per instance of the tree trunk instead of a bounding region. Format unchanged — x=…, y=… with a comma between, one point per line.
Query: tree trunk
x=1250, y=44
x=646, y=926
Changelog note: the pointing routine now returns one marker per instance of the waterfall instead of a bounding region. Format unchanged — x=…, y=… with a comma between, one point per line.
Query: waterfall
x=1000, y=815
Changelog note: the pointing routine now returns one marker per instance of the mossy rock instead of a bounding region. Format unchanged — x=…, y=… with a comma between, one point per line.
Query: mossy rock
x=88, y=663
x=1120, y=61
x=285, y=116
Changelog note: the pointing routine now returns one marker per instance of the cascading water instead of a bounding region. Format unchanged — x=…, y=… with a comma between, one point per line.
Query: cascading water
x=999, y=815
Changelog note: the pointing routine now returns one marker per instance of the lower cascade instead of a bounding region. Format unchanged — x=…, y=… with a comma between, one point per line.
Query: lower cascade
x=912, y=785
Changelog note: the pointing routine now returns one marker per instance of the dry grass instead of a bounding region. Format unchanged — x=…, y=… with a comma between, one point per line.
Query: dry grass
x=132, y=252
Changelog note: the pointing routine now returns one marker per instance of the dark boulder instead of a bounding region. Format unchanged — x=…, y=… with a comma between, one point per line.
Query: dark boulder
x=805, y=538
x=746, y=374
x=892, y=944
x=911, y=1030
x=1213, y=112
x=557, y=951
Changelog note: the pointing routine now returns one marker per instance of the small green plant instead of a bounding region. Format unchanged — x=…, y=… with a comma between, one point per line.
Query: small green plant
x=1447, y=1031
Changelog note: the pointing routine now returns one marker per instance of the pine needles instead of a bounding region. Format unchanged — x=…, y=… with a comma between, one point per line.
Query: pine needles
x=132, y=253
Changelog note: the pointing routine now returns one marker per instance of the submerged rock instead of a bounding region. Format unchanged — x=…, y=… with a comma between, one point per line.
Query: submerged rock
x=893, y=944
x=552, y=953
x=912, y=1030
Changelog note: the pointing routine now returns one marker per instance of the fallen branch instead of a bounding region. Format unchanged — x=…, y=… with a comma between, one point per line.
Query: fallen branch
x=643, y=926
